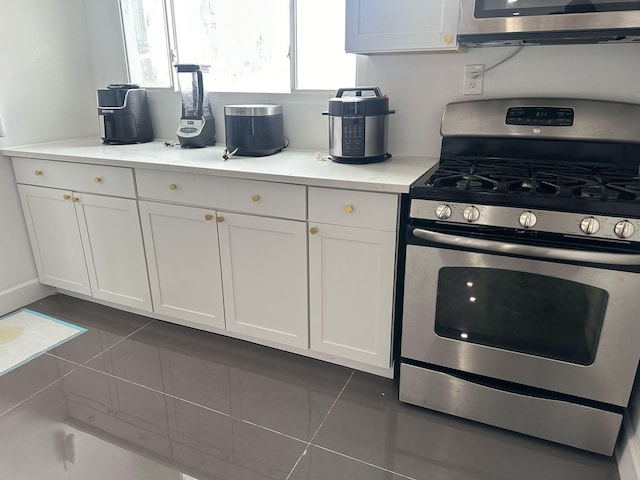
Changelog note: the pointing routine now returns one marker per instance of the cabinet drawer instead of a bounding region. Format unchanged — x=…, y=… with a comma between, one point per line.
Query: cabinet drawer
x=222, y=193
x=81, y=177
x=351, y=208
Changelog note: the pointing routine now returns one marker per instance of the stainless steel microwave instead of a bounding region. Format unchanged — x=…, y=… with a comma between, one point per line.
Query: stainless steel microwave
x=486, y=23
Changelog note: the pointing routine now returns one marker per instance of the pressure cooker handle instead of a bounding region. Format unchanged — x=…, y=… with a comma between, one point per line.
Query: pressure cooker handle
x=359, y=91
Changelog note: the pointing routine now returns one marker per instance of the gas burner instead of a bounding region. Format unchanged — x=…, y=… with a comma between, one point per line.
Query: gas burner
x=629, y=190
x=531, y=186
x=599, y=192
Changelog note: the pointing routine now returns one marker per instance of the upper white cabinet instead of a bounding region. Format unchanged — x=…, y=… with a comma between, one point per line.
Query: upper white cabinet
x=83, y=242
x=380, y=26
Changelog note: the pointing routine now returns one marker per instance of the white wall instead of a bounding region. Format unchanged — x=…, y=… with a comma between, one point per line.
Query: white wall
x=45, y=94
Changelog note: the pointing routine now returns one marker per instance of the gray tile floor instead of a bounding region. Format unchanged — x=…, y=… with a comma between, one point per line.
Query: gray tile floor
x=136, y=398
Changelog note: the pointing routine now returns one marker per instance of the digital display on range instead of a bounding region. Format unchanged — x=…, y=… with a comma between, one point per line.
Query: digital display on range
x=540, y=116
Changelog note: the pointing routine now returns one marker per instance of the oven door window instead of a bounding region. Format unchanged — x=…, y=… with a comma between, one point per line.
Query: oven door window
x=522, y=312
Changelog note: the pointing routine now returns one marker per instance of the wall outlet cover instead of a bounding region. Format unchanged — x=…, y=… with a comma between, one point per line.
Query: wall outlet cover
x=473, y=79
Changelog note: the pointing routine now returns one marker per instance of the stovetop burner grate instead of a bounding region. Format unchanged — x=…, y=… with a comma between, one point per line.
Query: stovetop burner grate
x=563, y=180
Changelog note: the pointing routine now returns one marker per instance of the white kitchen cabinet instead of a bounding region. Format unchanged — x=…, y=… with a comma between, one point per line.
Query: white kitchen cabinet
x=84, y=242
x=381, y=26
x=184, y=264
x=351, y=274
x=264, y=273
x=112, y=241
x=262, y=260
x=55, y=238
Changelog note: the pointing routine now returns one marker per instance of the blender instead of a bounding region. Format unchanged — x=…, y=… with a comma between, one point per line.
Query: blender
x=197, y=127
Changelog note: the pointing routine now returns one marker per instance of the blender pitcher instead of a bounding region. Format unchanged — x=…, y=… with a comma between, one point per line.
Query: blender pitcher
x=197, y=125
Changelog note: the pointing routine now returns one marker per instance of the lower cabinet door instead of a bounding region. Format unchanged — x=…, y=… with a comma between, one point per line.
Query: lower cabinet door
x=55, y=238
x=351, y=285
x=264, y=272
x=112, y=240
x=184, y=263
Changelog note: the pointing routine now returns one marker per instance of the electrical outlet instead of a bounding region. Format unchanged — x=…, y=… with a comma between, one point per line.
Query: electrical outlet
x=473, y=79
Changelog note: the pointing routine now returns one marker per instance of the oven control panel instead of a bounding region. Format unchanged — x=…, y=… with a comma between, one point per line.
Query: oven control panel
x=595, y=226
x=539, y=116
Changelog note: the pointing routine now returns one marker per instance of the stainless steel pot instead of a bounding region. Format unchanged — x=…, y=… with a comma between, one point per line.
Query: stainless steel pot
x=358, y=129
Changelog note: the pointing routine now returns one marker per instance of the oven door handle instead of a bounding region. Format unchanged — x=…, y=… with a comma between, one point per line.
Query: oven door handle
x=528, y=250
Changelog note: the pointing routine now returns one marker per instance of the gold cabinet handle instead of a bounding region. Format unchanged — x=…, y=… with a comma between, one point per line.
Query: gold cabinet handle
x=97, y=179
x=448, y=38
x=255, y=198
x=173, y=186
x=66, y=197
x=75, y=199
x=348, y=208
x=208, y=217
x=313, y=230
x=38, y=173
x=219, y=219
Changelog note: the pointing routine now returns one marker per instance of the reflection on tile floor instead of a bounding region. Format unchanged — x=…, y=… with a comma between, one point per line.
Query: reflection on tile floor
x=136, y=398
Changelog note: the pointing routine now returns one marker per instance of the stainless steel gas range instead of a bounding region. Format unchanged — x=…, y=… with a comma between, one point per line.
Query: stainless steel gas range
x=521, y=303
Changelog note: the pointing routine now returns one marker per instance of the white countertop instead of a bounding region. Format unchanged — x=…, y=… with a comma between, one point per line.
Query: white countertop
x=290, y=166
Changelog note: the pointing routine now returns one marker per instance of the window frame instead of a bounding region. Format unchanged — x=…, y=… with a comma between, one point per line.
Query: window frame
x=172, y=57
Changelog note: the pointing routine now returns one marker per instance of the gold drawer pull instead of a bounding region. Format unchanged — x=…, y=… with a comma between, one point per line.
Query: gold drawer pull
x=313, y=230
x=348, y=208
x=66, y=197
x=173, y=186
x=219, y=219
x=75, y=199
x=448, y=38
x=208, y=217
x=97, y=179
x=255, y=198
x=38, y=173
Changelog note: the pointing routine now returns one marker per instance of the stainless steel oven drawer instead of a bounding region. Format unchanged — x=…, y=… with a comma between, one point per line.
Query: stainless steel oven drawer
x=563, y=422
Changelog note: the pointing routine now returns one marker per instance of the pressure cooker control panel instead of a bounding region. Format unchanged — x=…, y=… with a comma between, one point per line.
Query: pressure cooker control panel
x=353, y=135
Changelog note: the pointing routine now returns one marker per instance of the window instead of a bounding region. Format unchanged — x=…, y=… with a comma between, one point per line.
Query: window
x=274, y=46
x=146, y=40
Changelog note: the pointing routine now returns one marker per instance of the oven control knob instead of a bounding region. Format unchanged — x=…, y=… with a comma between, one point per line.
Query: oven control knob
x=471, y=214
x=443, y=211
x=589, y=225
x=528, y=219
x=624, y=229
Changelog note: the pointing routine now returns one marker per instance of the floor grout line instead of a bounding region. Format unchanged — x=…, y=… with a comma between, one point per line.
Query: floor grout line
x=306, y=448
x=362, y=461
x=118, y=342
x=174, y=397
x=40, y=391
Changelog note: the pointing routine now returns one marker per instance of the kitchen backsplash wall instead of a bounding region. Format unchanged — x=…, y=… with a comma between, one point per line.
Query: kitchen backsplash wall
x=418, y=86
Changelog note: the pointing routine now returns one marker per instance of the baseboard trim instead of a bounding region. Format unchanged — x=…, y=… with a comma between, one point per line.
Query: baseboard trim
x=22, y=294
x=628, y=452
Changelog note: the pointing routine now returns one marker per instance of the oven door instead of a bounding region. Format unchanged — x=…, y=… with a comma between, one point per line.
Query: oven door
x=567, y=328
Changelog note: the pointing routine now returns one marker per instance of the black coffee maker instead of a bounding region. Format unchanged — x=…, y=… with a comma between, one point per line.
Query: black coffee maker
x=124, y=115
x=197, y=126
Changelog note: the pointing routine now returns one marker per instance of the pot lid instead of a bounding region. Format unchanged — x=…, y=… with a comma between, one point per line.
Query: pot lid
x=363, y=101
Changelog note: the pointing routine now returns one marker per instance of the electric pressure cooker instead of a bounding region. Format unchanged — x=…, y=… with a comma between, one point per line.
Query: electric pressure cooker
x=358, y=129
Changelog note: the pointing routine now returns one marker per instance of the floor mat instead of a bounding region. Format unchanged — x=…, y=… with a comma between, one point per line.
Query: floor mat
x=26, y=334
